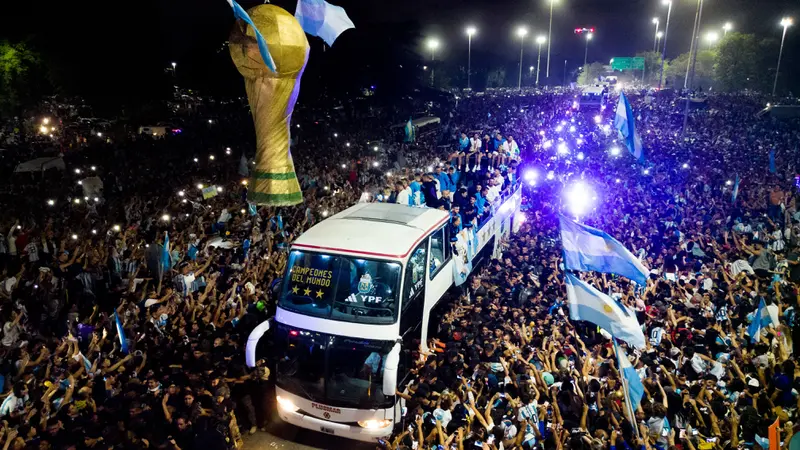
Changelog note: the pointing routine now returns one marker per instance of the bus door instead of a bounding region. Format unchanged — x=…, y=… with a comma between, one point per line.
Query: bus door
x=412, y=311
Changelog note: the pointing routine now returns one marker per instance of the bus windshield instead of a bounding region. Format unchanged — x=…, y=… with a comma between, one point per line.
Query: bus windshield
x=341, y=288
x=334, y=370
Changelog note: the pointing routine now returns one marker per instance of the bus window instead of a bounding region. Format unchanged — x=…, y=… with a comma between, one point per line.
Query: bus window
x=448, y=247
x=334, y=370
x=341, y=288
x=437, y=252
x=415, y=275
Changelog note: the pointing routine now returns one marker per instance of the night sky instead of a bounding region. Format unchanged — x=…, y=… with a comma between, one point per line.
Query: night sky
x=126, y=44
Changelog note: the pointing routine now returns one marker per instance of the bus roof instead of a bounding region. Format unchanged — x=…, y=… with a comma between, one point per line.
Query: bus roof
x=596, y=90
x=381, y=230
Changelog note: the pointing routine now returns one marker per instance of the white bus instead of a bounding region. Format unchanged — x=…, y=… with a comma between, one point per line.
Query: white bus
x=594, y=97
x=354, y=304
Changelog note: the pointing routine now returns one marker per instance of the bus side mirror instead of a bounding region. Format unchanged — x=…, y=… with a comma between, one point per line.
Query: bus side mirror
x=277, y=287
x=390, y=370
x=252, y=343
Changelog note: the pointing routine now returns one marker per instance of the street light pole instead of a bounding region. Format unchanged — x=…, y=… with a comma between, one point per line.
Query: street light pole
x=586, y=52
x=786, y=22
x=539, y=40
x=692, y=64
x=565, y=72
x=694, y=47
x=470, y=32
x=655, y=38
x=433, y=44
x=664, y=51
x=725, y=28
x=521, y=32
x=550, y=37
x=174, y=65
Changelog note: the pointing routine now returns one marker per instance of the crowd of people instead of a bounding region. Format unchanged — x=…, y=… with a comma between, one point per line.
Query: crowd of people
x=508, y=370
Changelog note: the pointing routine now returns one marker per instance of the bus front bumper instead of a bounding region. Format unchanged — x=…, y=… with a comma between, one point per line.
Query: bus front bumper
x=333, y=428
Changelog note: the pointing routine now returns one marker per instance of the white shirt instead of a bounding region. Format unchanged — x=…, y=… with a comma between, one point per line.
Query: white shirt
x=493, y=194
x=475, y=144
x=10, y=334
x=403, y=196
x=12, y=403
x=442, y=415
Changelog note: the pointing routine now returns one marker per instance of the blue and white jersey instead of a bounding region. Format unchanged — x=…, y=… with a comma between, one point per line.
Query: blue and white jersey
x=656, y=334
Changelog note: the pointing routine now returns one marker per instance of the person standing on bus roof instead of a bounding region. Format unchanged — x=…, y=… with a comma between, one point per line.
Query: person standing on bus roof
x=403, y=194
x=429, y=191
x=416, y=190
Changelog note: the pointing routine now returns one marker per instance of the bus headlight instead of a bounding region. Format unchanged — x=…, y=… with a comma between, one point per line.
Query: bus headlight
x=286, y=404
x=374, y=424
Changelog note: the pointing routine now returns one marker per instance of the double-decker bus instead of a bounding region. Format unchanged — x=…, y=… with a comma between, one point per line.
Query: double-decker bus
x=355, y=304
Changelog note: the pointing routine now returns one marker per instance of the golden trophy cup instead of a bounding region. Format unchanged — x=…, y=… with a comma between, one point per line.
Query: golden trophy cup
x=272, y=96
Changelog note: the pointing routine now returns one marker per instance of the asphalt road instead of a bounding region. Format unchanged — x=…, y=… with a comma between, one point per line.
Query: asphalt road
x=283, y=436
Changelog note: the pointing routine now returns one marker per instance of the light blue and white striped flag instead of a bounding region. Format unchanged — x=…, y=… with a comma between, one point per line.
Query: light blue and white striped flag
x=589, y=249
x=241, y=14
x=410, y=132
x=320, y=18
x=123, y=341
x=635, y=389
x=735, y=189
x=761, y=319
x=624, y=123
x=589, y=304
x=165, y=264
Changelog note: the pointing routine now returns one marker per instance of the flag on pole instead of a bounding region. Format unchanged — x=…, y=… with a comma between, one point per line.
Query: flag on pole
x=589, y=304
x=634, y=389
x=243, y=169
x=123, y=341
x=241, y=14
x=624, y=123
x=761, y=319
x=735, y=189
x=165, y=259
x=86, y=364
x=772, y=168
x=410, y=132
x=589, y=249
x=320, y=18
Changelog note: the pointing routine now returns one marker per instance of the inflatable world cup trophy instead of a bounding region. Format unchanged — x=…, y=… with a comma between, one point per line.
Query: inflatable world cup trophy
x=272, y=96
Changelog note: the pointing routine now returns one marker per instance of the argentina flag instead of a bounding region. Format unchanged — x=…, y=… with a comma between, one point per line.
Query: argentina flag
x=735, y=189
x=320, y=18
x=624, y=123
x=589, y=249
x=589, y=304
x=410, y=132
x=763, y=318
x=633, y=383
x=242, y=15
x=123, y=341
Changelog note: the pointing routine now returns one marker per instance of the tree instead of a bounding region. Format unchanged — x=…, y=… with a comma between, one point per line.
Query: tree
x=675, y=72
x=652, y=66
x=741, y=64
x=18, y=80
x=496, y=78
x=590, y=73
